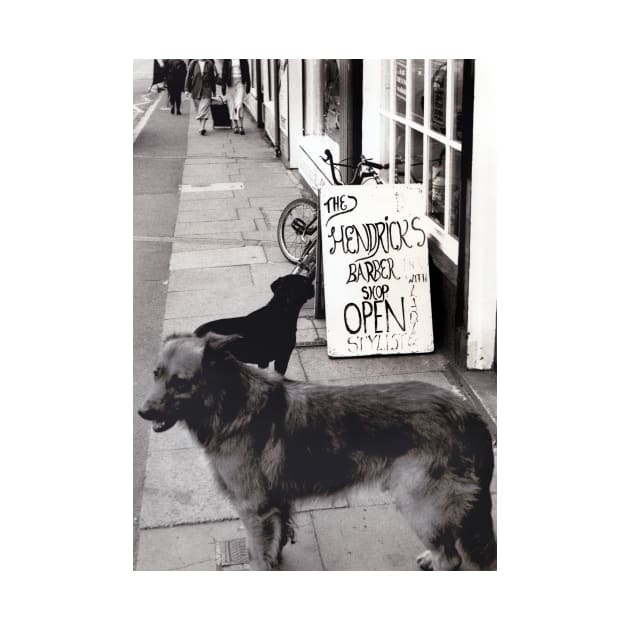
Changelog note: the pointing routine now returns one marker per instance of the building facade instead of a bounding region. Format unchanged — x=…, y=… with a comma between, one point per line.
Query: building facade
x=432, y=121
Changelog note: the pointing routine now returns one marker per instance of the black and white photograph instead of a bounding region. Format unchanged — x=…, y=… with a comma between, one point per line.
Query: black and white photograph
x=315, y=315
x=264, y=335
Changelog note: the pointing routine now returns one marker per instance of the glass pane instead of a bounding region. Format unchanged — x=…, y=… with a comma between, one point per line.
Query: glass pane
x=401, y=87
x=386, y=67
x=436, y=181
x=458, y=98
x=384, y=157
x=417, y=89
x=331, y=99
x=417, y=166
x=399, y=150
x=438, y=95
x=456, y=171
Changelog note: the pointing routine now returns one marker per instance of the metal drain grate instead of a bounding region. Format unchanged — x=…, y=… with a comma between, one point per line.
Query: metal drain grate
x=319, y=342
x=232, y=555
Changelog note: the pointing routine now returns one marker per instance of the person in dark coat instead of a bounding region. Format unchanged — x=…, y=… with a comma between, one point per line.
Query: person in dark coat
x=237, y=82
x=175, y=74
x=201, y=82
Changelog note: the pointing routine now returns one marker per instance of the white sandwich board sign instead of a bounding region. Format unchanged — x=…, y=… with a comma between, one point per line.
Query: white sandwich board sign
x=376, y=270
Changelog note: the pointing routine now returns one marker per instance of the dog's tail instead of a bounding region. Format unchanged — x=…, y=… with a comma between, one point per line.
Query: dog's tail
x=477, y=531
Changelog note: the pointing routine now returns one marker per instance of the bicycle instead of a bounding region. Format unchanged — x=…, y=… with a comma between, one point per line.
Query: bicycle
x=297, y=226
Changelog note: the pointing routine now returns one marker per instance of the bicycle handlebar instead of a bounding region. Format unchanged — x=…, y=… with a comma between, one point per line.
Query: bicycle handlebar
x=329, y=160
x=376, y=165
x=362, y=162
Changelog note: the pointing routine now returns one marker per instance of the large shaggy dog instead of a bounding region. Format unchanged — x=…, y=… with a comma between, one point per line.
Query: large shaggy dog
x=272, y=441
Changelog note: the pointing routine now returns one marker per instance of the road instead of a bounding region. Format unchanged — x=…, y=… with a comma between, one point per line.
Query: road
x=158, y=160
x=142, y=77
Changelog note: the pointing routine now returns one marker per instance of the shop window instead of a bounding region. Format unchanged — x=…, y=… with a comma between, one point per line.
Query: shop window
x=386, y=174
x=438, y=95
x=437, y=170
x=417, y=89
x=416, y=168
x=332, y=103
x=458, y=98
x=401, y=86
x=421, y=110
x=456, y=172
x=399, y=154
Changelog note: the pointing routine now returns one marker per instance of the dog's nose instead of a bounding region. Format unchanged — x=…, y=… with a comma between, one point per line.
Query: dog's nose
x=145, y=413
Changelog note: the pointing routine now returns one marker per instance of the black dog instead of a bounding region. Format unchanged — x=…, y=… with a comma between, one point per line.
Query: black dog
x=268, y=334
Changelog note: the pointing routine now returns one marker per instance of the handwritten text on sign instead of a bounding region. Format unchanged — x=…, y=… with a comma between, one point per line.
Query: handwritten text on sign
x=376, y=270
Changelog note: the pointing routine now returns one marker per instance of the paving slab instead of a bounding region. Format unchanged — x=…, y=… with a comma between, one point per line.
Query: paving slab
x=207, y=178
x=207, y=214
x=310, y=504
x=196, y=170
x=215, y=227
x=375, y=538
x=272, y=216
x=267, y=236
x=256, y=174
x=368, y=495
x=199, y=243
x=319, y=366
x=304, y=554
x=249, y=213
x=202, y=161
x=177, y=437
x=266, y=203
x=484, y=384
x=222, y=278
x=185, y=547
x=306, y=336
x=214, y=301
x=438, y=379
x=189, y=324
x=188, y=195
x=179, y=487
x=188, y=204
x=320, y=324
x=249, y=254
x=273, y=253
x=265, y=274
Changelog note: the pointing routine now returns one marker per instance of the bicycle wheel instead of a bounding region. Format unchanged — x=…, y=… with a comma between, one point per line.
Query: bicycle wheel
x=297, y=226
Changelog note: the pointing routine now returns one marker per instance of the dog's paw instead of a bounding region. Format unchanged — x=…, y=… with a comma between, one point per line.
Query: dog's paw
x=272, y=564
x=425, y=561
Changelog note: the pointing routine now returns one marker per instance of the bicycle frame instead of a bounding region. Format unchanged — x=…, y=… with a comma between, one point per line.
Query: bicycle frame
x=363, y=171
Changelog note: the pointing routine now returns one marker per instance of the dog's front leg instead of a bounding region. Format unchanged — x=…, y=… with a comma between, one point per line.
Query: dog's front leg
x=263, y=536
x=281, y=364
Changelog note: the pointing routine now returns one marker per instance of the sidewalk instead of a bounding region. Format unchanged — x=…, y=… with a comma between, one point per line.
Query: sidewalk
x=224, y=258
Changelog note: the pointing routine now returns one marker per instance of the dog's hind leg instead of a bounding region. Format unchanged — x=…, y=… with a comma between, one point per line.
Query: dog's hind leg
x=441, y=554
x=427, y=520
x=433, y=505
x=476, y=534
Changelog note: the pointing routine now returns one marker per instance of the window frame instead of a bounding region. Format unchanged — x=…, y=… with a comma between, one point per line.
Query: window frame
x=448, y=243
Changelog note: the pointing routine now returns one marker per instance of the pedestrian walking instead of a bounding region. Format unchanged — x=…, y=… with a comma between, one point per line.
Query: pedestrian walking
x=201, y=83
x=237, y=82
x=175, y=73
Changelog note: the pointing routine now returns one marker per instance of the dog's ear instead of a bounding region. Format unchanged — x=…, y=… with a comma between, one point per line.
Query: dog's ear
x=217, y=345
x=277, y=284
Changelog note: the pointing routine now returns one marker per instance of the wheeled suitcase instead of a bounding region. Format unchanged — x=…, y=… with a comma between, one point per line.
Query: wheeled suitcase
x=220, y=114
